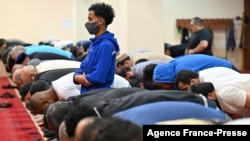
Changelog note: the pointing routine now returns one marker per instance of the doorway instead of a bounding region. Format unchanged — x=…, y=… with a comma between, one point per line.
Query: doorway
x=246, y=35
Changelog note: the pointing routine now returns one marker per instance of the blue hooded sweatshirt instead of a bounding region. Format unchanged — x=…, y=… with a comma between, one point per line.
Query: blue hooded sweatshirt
x=165, y=73
x=100, y=62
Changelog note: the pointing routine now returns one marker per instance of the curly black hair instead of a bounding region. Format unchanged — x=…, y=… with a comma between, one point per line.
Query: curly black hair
x=103, y=10
x=148, y=72
x=25, y=89
x=38, y=86
x=123, y=71
x=111, y=129
x=75, y=115
x=185, y=76
x=203, y=88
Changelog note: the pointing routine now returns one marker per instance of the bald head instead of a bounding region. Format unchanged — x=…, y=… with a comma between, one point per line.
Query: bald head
x=40, y=101
x=16, y=50
x=16, y=77
x=28, y=73
x=17, y=66
x=80, y=127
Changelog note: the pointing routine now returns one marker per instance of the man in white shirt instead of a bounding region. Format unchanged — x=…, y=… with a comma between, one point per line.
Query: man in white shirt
x=120, y=82
x=28, y=72
x=232, y=93
x=185, y=78
x=62, y=89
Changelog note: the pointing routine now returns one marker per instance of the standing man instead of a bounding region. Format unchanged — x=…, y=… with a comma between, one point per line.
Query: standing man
x=201, y=40
x=97, y=70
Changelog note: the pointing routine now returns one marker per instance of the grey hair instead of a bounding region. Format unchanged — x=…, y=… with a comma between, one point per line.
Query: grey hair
x=198, y=21
x=16, y=50
x=56, y=112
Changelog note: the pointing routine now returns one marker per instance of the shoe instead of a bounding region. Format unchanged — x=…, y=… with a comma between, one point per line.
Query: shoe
x=37, y=139
x=7, y=95
x=53, y=139
x=9, y=86
x=5, y=105
x=49, y=134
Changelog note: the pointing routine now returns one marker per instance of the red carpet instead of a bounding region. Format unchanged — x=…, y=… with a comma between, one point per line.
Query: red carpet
x=245, y=71
x=15, y=122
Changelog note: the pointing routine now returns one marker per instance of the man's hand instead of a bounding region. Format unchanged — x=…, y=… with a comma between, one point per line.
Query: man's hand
x=82, y=80
x=86, y=82
x=190, y=51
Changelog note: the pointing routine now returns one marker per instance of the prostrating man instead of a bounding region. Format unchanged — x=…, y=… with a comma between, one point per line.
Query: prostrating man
x=28, y=72
x=164, y=74
x=185, y=78
x=231, y=92
x=170, y=110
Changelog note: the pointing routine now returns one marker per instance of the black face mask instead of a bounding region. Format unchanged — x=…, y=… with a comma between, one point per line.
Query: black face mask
x=92, y=27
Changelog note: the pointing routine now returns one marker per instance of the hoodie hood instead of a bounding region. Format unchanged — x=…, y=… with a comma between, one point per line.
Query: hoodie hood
x=107, y=35
x=164, y=73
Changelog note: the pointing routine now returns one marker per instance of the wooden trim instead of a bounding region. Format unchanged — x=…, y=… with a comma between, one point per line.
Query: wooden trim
x=210, y=23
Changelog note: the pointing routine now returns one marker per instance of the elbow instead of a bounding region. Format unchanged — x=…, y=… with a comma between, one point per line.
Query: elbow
x=204, y=44
x=75, y=80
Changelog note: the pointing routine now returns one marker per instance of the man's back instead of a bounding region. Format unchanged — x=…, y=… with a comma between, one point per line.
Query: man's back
x=65, y=87
x=241, y=81
x=48, y=56
x=52, y=75
x=144, y=97
x=154, y=112
x=57, y=64
x=232, y=93
x=45, y=48
x=194, y=62
x=139, y=68
x=150, y=56
x=197, y=62
x=208, y=75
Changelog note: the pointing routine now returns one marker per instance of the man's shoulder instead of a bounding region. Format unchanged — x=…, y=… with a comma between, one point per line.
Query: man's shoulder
x=204, y=31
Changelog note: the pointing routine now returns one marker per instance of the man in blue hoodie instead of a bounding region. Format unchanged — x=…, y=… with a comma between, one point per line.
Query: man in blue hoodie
x=164, y=74
x=97, y=70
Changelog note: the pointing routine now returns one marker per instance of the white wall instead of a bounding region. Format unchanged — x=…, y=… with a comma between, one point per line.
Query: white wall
x=36, y=20
x=80, y=18
x=119, y=26
x=146, y=25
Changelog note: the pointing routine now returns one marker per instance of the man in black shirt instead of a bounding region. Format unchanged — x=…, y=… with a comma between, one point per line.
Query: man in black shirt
x=201, y=40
